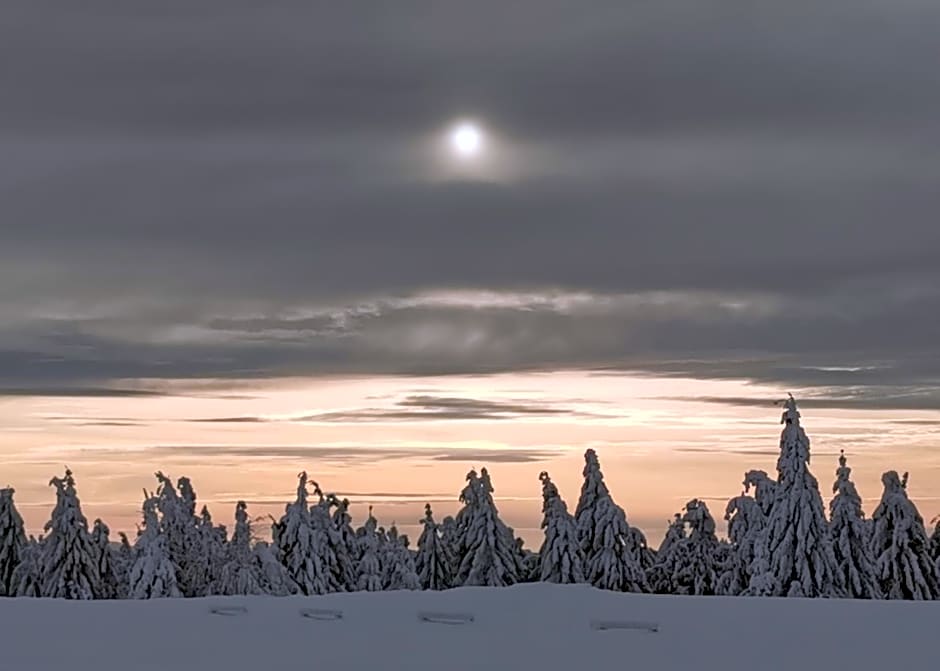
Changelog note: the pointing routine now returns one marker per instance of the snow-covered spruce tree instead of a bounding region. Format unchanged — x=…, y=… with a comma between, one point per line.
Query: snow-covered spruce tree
x=765, y=490
x=612, y=564
x=298, y=545
x=903, y=566
x=433, y=561
x=794, y=554
x=661, y=578
x=745, y=525
x=490, y=558
x=123, y=559
x=699, y=571
x=614, y=553
x=178, y=528
x=450, y=540
x=27, y=576
x=206, y=557
x=369, y=566
x=339, y=566
x=240, y=574
x=560, y=555
x=107, y=581
x=68, y=556
x=347, y=552
x=398, y=563
x=934, y=548
x=851, y=540
x=272, y=574
x=153, y=575
x=593, y=489
x=12, y=540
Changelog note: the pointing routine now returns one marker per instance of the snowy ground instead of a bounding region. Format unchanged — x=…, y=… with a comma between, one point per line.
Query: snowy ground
x=543, y=627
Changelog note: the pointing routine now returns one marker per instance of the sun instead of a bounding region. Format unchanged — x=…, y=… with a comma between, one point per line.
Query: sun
x=466, y=139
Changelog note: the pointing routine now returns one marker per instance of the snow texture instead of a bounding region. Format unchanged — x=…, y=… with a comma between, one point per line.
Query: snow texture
x=546, y=627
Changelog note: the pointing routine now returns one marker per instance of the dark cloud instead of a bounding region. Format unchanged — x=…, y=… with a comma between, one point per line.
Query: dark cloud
x=345, y=454
x=228, y=191
x=78, y=392
x=877, y=398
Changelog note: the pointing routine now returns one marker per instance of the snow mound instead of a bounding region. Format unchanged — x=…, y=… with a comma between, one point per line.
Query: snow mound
x=537, y=626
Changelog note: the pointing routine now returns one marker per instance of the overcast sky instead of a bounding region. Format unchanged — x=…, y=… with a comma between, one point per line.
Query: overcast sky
x=239, y=190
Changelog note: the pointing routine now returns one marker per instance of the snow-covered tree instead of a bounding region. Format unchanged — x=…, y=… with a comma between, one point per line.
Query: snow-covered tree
x=593, y=489
x=273, y=576
x=398, y=563
x=68, y=556
x=613, y=552
x=433, y=562
x=851, y=540
x=27, y=576
x=745, y=525
x=765, y=490
x=180, y=528
x=699, y=571
x=369, y=566
x=903, y=565
x=661, y=578
x=107, y=580
x=794, y=555
x=12, y=540
x=299, y=543
x=346, y=546
x=240, y=575
x=935, y=542
x=153, y=574
x=560, y=555
x=489, y=548
x=612, y=564
x=123, y=559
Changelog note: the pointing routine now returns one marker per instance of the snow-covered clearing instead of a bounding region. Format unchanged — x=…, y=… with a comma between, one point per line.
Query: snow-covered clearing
x=537, y=626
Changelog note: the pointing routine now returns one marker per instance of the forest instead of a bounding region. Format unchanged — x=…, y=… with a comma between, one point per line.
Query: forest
x=780, y=542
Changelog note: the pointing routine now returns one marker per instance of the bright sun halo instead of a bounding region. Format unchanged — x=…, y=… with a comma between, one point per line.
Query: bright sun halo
x=466, y=140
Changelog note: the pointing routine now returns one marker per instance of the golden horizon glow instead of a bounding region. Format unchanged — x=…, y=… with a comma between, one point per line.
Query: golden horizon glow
x=383, y=441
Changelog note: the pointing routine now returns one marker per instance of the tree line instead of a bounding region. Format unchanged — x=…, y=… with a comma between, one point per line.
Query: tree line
x=780, y=543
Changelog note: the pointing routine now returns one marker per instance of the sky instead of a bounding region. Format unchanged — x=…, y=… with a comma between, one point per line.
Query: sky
x=235, y=243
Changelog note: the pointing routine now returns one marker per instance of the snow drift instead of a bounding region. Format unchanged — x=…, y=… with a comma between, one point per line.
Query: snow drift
x=535, y=626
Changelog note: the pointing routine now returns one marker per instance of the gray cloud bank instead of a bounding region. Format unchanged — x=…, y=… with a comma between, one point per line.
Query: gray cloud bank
x=239, y=191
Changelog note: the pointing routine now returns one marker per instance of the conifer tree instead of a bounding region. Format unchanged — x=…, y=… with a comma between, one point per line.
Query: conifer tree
x=347, y=553
x=613, y=552
x=593, y=489
x=240, y=575
x=699, y=571
x=490, y=558
x=451, y=541
x=611, y=564
x=107, y=581
x=27, y=576
x=123, y=559
x=934, y=548
x=433, y=562
x=12, y=541
x=297, y=545
x=273, y=576
x=903, y=566
x=399, y=564
x=369, y=566
x=153, y=575
x=851, y=540
x=745, y=525
x=794, y=555
x=661, y=578
x=560, y=555
x=68, y=557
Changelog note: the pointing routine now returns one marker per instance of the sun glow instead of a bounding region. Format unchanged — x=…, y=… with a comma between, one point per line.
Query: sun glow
x=466, y=140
